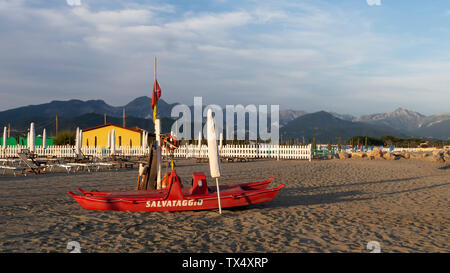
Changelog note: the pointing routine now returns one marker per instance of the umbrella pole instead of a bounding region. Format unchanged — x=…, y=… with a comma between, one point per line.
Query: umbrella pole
x=218, y=195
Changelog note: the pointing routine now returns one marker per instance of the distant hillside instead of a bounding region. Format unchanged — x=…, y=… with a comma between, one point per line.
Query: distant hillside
x=139, y=107
x=287, y=115
x=401, y=119
x=439, y=130
x=84, y=121
x=325, y=127
x=401, y=122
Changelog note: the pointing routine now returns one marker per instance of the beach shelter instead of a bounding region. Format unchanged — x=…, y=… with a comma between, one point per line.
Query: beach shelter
x=22, y=141
x=10, y=141
x=213, y=153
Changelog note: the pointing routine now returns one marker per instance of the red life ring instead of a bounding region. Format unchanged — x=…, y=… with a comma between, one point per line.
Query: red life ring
x=170, y=143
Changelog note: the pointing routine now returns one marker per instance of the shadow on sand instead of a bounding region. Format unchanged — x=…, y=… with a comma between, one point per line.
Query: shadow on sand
x=289, y=197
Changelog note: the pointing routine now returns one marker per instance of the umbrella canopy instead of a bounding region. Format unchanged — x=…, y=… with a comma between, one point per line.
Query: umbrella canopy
x=213, y=154
x=109, y=140
x=81, y=139
x=77, y=141
x=4, y=138
x=32, y=137
x=44, y=138
x=113, y=142
x=199, y=143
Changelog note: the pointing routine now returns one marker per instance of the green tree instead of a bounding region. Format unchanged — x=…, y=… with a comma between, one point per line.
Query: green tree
x=339, y=143
x=65, y=138
x=314, y=143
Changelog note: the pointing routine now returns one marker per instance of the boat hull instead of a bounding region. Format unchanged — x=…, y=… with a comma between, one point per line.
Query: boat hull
x=142, y=203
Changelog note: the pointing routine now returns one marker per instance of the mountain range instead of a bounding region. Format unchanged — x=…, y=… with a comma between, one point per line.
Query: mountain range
x=325, y=126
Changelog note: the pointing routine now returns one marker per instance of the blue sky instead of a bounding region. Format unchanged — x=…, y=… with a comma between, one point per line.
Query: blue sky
x=343, y=56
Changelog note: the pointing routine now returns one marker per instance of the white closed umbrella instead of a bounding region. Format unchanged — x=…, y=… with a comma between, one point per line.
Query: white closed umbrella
x=146, y=140
x=109, y=140
x=32, y=138
x=28, y=139
x=44, y=139
x=113, y=142
x=4, y=138
x=213, y=154
x=80, y=139
x=77, y=141
x=199, y=143
x=220, y=141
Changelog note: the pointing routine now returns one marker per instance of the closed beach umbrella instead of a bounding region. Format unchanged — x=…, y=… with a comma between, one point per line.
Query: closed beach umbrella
x=113, y=142
x=199, y=143
x=44, y=138
x=4, y=138
x=28, y=139
x=109, y=140
x=32, y=137
x=77, y=141
x=213, y=153
x=146, y=140
x=220, y=141
x=80, y=139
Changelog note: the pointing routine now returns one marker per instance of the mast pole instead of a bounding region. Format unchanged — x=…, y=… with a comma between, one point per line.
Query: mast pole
x=157, y=123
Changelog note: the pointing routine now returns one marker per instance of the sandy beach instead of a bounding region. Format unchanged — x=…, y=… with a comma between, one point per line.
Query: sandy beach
x=326, y=206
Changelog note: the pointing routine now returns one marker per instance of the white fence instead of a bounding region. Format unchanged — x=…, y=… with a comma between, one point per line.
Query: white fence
x=184, y=151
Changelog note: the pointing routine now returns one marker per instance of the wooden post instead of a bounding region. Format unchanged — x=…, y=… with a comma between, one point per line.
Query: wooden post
x=56, y=125
x=124, y=124
x=158, y=152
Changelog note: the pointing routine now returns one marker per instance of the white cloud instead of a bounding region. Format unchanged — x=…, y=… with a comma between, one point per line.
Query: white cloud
x=299, y=55
x=373, y=2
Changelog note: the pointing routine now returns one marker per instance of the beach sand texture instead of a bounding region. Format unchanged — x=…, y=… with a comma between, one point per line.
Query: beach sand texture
x=326, y=206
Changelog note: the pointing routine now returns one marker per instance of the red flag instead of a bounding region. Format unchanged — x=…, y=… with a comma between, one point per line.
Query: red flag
x=156, y=93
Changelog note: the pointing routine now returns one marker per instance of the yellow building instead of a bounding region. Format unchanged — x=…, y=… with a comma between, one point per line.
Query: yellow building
x=125, y=137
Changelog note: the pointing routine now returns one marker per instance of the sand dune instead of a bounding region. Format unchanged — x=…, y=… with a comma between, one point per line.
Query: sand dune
x=326, y=206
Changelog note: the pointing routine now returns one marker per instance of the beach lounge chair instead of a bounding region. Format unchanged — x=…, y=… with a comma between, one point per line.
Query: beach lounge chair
x=67, y=167
x=14, y=169
x=33, y=166
x=80, y=166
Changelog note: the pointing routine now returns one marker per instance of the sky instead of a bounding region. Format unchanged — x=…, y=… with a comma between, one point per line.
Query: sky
x=349, y=56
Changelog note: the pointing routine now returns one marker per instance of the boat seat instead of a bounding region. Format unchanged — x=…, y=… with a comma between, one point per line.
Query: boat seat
x=174, y=187
x=199, y=185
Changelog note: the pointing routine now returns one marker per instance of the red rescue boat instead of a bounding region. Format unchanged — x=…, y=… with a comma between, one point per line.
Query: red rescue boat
x=178, y=198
